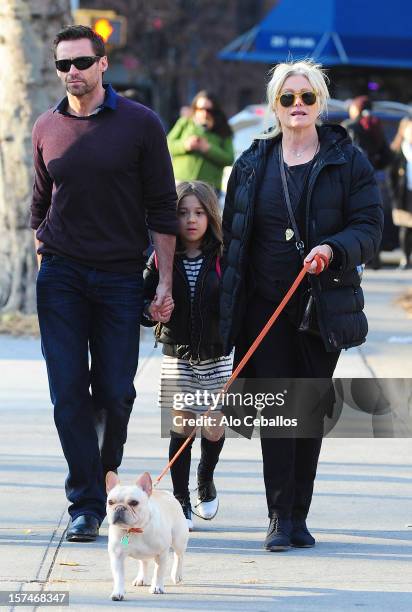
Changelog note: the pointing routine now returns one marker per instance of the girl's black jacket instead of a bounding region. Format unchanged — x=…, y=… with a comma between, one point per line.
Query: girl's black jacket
x=193, y=330
x=343, y=209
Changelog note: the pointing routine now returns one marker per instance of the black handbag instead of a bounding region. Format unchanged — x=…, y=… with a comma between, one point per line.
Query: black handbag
x=309, y=322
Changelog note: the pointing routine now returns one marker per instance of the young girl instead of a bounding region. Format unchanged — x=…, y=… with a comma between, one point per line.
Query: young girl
x=192, y=348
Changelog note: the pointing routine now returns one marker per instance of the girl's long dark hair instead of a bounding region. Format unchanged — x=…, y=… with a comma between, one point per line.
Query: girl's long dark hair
x=213, y=238
x=221, y=126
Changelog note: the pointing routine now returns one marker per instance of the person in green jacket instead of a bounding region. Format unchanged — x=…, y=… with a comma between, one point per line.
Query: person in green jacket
x=201, y=144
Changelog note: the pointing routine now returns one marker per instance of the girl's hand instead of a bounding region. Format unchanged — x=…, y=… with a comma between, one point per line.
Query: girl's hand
x=163, y=312
x=323, y=249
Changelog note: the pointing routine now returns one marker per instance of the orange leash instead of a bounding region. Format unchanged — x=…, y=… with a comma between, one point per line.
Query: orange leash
x=318, y=258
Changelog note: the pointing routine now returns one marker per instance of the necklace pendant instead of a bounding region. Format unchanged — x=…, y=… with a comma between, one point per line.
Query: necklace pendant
x=298, y=154
x=289, y=234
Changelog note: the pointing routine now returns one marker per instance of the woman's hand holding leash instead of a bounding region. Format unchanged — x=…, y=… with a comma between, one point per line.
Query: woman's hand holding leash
x=319, y=258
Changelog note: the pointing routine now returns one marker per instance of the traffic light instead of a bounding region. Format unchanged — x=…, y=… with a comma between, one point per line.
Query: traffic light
x=111, y=30
x=110, y=26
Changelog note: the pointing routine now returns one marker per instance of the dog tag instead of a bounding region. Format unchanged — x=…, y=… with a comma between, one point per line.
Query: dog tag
x=289, y=234
x=125, y=540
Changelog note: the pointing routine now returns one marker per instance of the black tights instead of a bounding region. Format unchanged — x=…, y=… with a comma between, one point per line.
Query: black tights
x=180, y=470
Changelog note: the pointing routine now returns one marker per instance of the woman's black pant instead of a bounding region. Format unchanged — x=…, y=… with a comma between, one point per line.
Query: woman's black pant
x=289, y=464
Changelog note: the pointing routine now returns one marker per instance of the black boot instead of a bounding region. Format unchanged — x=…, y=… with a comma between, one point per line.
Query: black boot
x=278, y=535
x=300, y=536
x=187, y=509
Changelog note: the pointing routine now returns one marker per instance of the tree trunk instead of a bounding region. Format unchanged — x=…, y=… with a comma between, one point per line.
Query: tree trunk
x=28, y=87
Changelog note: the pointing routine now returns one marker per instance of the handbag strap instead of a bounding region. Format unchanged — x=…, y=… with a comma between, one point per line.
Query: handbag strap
x=300, y=245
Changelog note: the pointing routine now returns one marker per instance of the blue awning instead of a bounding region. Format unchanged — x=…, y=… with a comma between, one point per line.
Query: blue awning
x=335, y=32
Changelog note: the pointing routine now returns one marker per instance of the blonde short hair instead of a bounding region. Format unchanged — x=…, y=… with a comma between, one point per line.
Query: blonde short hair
x=307, y=68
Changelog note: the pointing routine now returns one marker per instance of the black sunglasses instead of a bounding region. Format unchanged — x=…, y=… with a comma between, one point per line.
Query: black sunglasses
x=288, y=98
x=81, y=63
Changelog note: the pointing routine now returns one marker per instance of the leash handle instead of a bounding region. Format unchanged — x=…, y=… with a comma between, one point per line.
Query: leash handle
x=318, y=258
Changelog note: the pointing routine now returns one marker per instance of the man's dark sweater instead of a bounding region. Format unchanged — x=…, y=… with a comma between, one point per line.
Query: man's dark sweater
x=100, y=183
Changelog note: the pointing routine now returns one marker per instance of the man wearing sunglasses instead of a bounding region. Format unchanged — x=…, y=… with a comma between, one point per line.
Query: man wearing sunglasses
x=103, y=179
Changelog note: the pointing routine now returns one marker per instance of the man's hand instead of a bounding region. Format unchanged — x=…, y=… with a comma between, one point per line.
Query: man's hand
x=37, y=245
x=162, y=306
x=323, y=249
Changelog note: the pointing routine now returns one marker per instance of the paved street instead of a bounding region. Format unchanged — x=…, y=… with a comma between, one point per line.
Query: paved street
x=360, y=513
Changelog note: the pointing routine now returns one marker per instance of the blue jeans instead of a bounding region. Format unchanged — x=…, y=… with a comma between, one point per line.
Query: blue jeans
x=84, y=310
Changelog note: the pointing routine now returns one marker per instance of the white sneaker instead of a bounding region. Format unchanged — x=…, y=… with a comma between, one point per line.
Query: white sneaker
x=207, y=503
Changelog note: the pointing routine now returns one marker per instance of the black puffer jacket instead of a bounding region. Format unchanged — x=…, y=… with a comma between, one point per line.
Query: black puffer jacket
x=193, y=330
x=343, y=208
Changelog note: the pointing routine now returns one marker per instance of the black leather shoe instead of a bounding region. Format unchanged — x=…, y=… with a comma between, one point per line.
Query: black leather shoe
x=300, y=536
x=84, y=528
x=278, y=535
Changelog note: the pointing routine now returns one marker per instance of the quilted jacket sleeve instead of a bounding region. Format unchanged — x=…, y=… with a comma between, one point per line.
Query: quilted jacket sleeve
x=363, y=216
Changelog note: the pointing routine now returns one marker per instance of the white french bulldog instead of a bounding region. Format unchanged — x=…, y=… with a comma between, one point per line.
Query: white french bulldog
x=144, y=524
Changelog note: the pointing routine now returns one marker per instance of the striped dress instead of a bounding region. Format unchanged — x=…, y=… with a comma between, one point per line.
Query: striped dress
x=181, y=376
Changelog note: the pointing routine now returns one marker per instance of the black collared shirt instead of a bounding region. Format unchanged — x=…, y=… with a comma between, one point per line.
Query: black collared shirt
x=110, y=102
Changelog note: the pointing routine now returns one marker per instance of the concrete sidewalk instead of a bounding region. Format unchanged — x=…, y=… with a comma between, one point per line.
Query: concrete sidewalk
x=360, y=512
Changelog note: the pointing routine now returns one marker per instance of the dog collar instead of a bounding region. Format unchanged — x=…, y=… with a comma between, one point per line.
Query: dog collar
x=135, y=530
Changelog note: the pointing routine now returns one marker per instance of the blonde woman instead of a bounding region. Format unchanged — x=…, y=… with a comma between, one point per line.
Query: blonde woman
x=335, y=211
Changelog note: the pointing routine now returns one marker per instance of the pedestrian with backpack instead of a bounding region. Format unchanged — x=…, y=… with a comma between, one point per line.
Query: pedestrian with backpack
x=367, y=134
x=191, y=341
